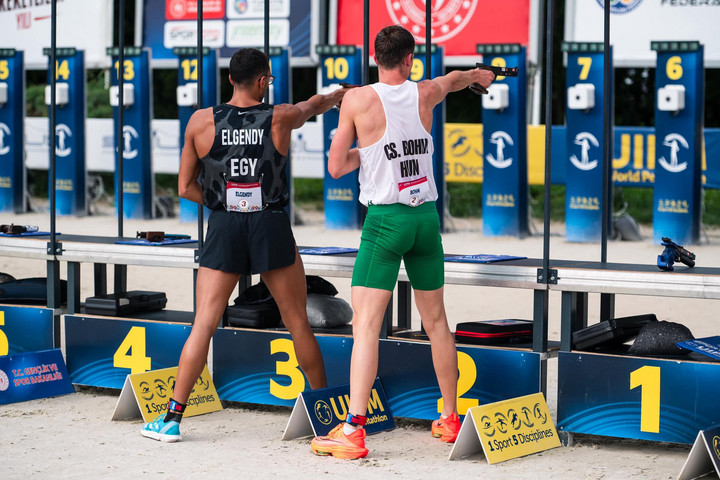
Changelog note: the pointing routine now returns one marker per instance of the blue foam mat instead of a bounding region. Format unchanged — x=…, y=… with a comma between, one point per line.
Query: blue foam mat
x=481, y=258
x=326, y=250
x=142, y=241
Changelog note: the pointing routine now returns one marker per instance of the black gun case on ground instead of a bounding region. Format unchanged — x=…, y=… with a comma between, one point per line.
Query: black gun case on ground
x=127, y=303
x=611, y=332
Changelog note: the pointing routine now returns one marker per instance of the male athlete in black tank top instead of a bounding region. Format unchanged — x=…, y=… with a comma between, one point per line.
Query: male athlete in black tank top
x=239, y=152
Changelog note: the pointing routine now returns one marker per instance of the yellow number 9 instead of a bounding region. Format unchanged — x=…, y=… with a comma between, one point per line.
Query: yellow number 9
x=673, y=68
x=417, y=71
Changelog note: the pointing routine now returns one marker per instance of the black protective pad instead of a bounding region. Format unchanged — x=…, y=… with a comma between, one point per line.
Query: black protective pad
x=611, y=332
x=325, y=311
x=29, y=291
x=494, y=332
x=319, y=285
x=659, y=338
x=127, y=303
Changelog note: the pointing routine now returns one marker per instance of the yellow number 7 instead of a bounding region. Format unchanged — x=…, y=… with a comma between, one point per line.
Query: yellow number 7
x=585, y=63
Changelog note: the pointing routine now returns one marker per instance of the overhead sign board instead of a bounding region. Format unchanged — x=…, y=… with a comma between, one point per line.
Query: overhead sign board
x=635, y=23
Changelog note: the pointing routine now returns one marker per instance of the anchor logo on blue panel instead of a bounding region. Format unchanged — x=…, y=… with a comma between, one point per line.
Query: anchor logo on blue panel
x=129, y=135
x=62, y=145
x=674, y=141
x=4, y=133
x=586, y=141
x=500, y=139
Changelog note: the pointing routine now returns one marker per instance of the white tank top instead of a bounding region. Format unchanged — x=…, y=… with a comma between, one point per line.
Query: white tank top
x=398, y=168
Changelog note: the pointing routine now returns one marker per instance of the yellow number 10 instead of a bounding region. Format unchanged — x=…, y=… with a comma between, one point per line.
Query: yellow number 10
x=649, y=379
x=337, y=68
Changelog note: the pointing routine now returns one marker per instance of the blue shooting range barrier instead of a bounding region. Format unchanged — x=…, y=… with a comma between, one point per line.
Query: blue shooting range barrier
x=281, y=92
x=679, y=83
x=505, y=178
x=584, y=116
x=12, y=117
x=418, y=74
x=70, y=183
x=339, y=63
x=187, y=100
x=138, y=184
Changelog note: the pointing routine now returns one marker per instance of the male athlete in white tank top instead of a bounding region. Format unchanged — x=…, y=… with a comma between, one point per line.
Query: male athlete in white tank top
x=391, y=121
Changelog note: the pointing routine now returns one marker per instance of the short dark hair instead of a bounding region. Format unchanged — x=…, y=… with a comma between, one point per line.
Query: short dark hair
x=392, y=45
x=247, y=64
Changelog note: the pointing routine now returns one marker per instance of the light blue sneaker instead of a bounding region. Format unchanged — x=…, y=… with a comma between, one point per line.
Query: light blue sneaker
x=161, y=430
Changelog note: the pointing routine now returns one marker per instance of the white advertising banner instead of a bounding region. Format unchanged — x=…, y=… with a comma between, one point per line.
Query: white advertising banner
x=84, y=24
x=635, y=23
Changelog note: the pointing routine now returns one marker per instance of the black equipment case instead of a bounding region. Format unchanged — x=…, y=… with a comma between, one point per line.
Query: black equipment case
x=494, y=332
x=261, y=315
x=127, y=303
x=611, y=332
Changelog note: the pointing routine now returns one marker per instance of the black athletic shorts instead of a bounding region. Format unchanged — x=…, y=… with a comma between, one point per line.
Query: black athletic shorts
x=248, y=243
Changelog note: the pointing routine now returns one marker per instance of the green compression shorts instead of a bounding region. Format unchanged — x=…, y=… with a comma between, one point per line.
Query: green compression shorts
x=394, y=232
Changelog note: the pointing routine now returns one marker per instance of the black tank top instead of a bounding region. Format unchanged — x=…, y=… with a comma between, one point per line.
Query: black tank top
x=243, y=151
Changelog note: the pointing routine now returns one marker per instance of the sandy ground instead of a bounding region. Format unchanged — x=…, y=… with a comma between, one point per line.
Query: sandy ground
x=73, y=437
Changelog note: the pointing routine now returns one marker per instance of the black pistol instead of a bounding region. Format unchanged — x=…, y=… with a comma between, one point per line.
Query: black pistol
x=498, y=71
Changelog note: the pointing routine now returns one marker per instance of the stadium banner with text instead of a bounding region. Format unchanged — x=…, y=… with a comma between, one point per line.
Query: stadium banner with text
x=229, y=25
x=458, y=25
x=635, y=23
x=26, y=26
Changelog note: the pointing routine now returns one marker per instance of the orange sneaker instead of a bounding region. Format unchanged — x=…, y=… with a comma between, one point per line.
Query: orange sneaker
x=339, y=445
x=446, y=429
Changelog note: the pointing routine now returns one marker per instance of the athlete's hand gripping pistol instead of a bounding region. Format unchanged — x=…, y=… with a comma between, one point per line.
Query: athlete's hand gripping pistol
x=673, y=253
x=498, y=71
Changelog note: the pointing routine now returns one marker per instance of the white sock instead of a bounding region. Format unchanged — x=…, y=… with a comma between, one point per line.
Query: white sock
x=349, y=429
x=444, y=416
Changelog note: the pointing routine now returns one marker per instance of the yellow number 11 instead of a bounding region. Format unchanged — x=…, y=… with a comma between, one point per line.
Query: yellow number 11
x=649, y=379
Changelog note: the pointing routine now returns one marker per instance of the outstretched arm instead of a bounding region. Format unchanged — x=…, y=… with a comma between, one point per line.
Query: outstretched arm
x=318, y=104
x=437, y=89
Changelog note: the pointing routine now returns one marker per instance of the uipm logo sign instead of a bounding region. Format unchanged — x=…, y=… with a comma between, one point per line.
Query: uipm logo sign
x=500, y=139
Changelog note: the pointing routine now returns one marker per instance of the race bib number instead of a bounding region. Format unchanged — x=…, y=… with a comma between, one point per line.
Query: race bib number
x=243, y=197
x=414, y=192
